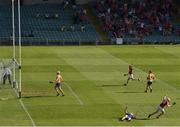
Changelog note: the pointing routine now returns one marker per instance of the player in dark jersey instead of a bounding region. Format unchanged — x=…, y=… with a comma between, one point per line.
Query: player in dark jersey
x=128, y=116
x=130, y=75
x=165, y=103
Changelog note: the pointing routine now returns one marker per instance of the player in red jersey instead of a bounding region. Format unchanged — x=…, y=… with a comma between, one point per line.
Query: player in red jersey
x=130, y=75
x=165, y=103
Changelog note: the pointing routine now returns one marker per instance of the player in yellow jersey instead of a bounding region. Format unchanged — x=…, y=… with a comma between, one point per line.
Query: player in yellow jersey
x=150, y=79
x=58, y=83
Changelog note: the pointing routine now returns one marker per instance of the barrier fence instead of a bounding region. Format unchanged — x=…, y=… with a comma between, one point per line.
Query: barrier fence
x=33, y=41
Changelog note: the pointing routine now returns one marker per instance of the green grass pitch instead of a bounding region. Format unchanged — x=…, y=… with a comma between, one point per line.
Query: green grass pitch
x=94, y=90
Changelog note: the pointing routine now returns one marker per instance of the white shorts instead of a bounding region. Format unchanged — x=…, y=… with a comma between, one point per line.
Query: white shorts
x=160, y=109
x=130, y=76
x=127, y=117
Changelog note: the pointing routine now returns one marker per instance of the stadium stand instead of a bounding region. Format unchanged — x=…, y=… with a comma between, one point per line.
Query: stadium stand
x=49, y=23
x=138, y=20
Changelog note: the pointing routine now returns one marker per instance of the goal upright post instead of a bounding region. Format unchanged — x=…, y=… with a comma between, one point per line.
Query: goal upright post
x=20, y=56
x=13, y=41
x=19, y=60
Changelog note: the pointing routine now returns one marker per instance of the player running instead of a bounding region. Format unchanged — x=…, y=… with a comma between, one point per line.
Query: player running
x=165, y=102
x=130, y=75
x=58, y=83
x=128, y=116
x=150, y=79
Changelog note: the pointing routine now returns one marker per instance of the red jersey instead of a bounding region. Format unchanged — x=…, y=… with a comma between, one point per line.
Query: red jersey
x=164, y=103
x=130, y=69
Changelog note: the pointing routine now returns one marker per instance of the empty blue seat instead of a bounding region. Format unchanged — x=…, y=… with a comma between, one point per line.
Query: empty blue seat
x=44, y=28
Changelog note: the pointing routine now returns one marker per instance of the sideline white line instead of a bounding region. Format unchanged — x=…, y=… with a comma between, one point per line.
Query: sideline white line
x=75, y=95
x=25, y=109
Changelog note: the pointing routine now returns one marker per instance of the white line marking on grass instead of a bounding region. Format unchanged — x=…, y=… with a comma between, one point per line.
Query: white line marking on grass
x=25, y=109
x=75, y=95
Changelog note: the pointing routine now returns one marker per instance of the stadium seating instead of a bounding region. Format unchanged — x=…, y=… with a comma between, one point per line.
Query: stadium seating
x=47, y=22
x=142, y=20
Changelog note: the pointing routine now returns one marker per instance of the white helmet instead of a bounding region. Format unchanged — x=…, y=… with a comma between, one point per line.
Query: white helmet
x=169, y=99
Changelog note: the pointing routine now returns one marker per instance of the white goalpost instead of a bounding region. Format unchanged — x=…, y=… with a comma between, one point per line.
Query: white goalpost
x=17, y=57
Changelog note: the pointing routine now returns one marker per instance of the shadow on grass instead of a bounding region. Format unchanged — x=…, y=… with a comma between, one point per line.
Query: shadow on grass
x=111, y=85
x=119, y=119
x=144, y=118
x=37, y=96
x=130, y=92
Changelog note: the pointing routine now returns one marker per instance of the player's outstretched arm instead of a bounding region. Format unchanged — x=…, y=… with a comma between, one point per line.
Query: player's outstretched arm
x=170, y=105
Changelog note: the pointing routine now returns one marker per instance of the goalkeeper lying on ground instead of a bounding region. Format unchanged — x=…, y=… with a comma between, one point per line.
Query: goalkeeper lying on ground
x=128, y=116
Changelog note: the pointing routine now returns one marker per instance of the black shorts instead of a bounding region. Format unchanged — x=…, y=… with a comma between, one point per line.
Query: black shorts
x=58, y=85
x=149, y=83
